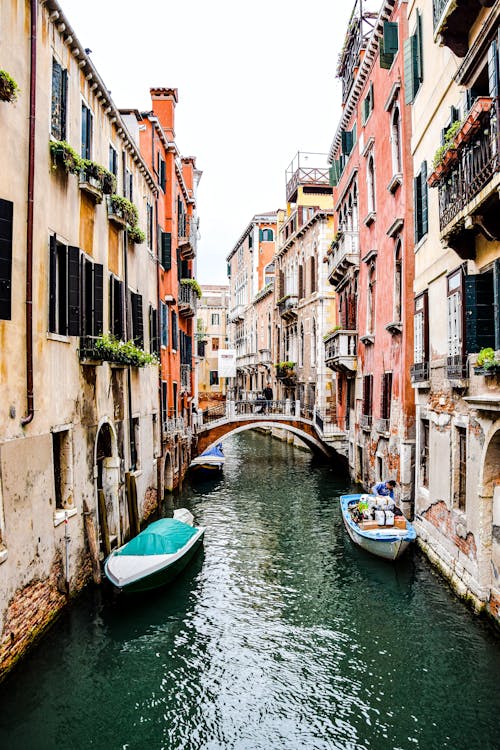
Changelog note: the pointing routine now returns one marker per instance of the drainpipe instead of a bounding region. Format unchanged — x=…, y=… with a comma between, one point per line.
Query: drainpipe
x=29, y=221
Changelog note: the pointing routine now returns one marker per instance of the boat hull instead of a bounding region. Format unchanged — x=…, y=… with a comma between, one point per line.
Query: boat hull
x=384, y=542
x=160, y=577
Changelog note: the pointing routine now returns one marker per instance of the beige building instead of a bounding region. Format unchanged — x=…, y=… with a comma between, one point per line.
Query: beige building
x=455, y=147
x=80, y=423
x=211, y=335
x=251, y=278
x=304, y=298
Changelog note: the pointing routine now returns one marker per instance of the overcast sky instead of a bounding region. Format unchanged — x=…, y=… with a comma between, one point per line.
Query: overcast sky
x=256, y=84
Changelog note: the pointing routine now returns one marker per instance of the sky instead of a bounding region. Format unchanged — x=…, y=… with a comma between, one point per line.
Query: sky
x=256, y=84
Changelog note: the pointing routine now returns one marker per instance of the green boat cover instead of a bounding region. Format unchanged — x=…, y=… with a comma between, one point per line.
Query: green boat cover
x=163, y=537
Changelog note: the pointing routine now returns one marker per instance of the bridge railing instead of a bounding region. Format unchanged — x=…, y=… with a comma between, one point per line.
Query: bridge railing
x=213, y=413
x=262, y=407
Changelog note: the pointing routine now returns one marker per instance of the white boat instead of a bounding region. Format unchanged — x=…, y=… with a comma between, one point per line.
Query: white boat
x=210, y=462
x=384, y=541
x=156, y=555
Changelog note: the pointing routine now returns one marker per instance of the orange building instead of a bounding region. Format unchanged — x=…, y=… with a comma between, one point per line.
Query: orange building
x=174, y=222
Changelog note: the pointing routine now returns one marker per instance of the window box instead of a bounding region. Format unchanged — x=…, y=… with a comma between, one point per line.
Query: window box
x=65, y=157
x=91, y=186
x=472, y=121
x=121, y=211
x=98, y=349
x=488, y=371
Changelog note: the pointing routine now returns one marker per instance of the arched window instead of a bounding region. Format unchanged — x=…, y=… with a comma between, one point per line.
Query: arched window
x=396, y=141
x=370, y=184
x=314, y=285
x=301, y=291
x=370, y=310
x=266, y=235
x=301, y=346
x=398, y=277
x=313, y=344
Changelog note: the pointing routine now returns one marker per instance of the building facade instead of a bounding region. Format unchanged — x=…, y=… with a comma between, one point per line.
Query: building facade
x=371, y=261
x=250, y=270
x=211, y=335
x=455, y=150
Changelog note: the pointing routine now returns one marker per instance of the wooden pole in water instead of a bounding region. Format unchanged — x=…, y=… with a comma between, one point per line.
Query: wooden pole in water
x=103, y=519
x=133, y=515
x=92, y=540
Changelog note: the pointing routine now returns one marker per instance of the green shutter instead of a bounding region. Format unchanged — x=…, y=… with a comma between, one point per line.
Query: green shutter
x=479, y=316
x=354, y=134
x=416, y=208
x=409, y=69
x=166, y=250
x=419, y=67
x=390, y=38
x=346, y=142
x=385, y=58
x=334, y=173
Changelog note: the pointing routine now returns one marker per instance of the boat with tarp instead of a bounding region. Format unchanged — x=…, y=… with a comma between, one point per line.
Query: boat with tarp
x=372, y=525
x=210, y=461
x=156, y=555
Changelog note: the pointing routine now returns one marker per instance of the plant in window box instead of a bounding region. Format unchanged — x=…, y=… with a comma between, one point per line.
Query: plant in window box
x=122, y=207
x=9, y=90
x=65, y=156
x=106, y=179
x=110, y=349
x=194, y=286
x=487, y=362
x=136, y=235
x=445, y=154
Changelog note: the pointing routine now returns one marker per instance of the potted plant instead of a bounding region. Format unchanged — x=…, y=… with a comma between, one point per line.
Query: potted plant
x=122, y=207
x=136, y=235
x=9, y=90
x=487, y=362
x=110, y=349
x=194, y=286
x=445, y=154
x=65, y=156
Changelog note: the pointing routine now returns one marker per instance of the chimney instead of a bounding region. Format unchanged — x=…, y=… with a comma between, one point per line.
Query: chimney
x=164, y=101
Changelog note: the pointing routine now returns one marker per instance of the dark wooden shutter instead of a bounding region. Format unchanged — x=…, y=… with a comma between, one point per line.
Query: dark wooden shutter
x=164, y=324
x=301, y=282
x=423, y=195
x=496, y=300
x=153, y=330
x=416, y=208
x=52, y=282
x=164, y=401
x=137, y=320
x=175, y=331
x=73, y=291
x=6, y=221
x=347, y=144
x=479, y=312
x=162, y=174
x=116, y=316
x=166, y=250
x=390, y=38
x=98, y=295
x=385, y=58
x=64, y=97
x=418, y=54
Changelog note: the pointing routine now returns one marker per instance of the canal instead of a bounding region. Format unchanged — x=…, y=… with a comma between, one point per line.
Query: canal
x=281, y=635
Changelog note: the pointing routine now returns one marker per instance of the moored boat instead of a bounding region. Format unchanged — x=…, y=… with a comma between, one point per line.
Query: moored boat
x=388, y=541
x=156, y=555
x=209, y=462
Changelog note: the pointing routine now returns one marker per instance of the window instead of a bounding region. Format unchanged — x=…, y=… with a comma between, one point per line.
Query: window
x=149, y=225
x=137, y=319
x=370, y=184
x=113, y=161
x=175, y=331
x=6, y=220
x=164, y=323
x=162, y=173
x=348, y=139
x=266, y=235
x=424, y=454
x=134, y=444
x=398, y=290
x=313, y=345
x=116, y=307
x=388, y=44
x=166, y=249
x=59, y=101
x=413, y=65
x=455, y=314
x=367, y=403
x=396, y=141
x=164, y=401
x=461, y=468
x=129, y=190
x=301, y=346
x=421, y=329
x=75, y=292
x=386, y=397
x=482, y=315
x=91, y=297
x=312, y=274
x=215, y=319
x=420, y=203
x=62, y=456
x=371, y=302
x=214, y=377
x=87, y=119
x=301, y=282
x=215, y=344
x=367, y=105
x=153, y=331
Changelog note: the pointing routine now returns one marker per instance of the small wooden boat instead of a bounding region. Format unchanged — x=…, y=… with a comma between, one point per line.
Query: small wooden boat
x=156, y=555
x=384, y=541
x=210, y=462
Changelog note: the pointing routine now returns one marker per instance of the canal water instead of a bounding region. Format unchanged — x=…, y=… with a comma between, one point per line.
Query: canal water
x=279, y=636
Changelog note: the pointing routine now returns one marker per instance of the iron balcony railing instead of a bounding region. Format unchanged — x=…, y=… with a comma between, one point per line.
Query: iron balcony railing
x=419, y=372
x=383, y=425
x=186, y=377
x=188, y=300
x=174, y=426
x=438, y=8
x=476, y=163
x=456, y=366
x=365, y=421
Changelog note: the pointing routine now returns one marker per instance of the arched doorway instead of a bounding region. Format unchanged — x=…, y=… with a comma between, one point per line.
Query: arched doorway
x=168, y=473
x=490, y=499
x=107, y=473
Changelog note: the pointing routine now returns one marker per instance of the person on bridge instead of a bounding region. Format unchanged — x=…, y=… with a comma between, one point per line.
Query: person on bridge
x=268, y=395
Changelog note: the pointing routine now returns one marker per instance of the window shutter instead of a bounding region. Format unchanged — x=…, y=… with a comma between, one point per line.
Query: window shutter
x=496, y=300
x=6, y=221
x=166, y=250
x=52, y=282
x=153, y=331
x=371, y=97
x=493, y=72
x=416, y=208
x=73, y=291
x=423, y=195
x=385, y=58
x=390, y=38
x=261, y=235
x=98, y=284
x=137, y=320
x=64, y=97
x=175, y=332
x=479, y=312
x=164, y=324
x=418, y=52
x=117, y=307
x=163, y=175
x=346, y=142
x=334, y=173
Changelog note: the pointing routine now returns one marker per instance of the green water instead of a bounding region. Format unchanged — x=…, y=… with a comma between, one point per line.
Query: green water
x=280, y=635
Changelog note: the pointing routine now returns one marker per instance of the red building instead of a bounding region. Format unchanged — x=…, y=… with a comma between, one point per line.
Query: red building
x=370, y=262
x=172, y=231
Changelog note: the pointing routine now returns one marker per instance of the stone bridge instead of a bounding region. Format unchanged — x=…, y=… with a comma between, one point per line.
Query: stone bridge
x=320, y=435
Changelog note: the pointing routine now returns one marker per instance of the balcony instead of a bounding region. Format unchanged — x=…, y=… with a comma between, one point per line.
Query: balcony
x=265, y=356
x=186, y=238
x=186, y=378
x=188, y=301
x=365, y=421
x=344, y=253
x=341, y=351
x=469, y=183
x=300, y=173
x=285, y=372
x=419, y=374
x=90, y=185
x=287, y=306
x=453, y=20
x=383, y=426
x=456, y=367
x=236, y=314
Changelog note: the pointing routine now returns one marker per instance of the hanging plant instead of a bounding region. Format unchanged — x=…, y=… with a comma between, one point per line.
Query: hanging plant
x=106, y=179
x=110, y=349
x=194, y=286
x=123, y=207
x=65, y=156
x=9, y=90
x=136, y=235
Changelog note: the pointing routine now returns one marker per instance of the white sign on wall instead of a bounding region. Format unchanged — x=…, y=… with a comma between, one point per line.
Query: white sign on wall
x=227, y=363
